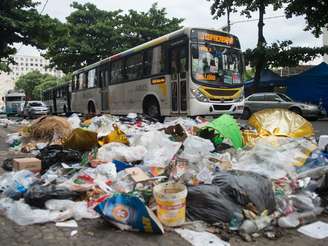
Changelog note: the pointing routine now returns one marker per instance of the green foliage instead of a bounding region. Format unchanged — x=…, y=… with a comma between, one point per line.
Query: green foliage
x=140, y=27
x=20, y=22
x=314, y=11
x=247, y=7
x=91, y=34
x=33, y=83
x=283, y=54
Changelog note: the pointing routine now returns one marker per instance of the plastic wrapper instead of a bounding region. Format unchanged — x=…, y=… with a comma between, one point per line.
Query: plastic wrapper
x=195, y=148
x=37, y=195
x=280, y=122
x=15, y=184
x=57, y=154
x=74, y=120
x=275, y=157
x=317, y=159
x=129, y=213
x=160, y=149
x=81, y=140
x=121, y=152
x=14, y=139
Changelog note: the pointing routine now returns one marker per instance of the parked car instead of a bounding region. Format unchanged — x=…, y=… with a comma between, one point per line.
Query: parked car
x=34, y=109
x=259, y=101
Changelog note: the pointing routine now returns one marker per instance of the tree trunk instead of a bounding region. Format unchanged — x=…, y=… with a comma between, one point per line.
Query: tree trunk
x=228, y=18
x=259, y=49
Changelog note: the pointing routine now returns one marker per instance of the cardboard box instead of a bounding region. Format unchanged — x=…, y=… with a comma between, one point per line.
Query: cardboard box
x=32, y=164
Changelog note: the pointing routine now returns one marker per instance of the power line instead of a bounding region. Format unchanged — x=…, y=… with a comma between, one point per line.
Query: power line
x=44, y=6
x=252, y=20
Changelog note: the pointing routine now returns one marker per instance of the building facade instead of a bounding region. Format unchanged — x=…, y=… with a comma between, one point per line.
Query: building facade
x=25, y=64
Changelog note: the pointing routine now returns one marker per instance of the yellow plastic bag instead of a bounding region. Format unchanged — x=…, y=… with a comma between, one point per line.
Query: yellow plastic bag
x=82, y=140
x=280, y=122
x=116, y=135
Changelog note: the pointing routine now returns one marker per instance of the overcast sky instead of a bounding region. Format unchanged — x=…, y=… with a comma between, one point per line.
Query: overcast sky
x=197, y=13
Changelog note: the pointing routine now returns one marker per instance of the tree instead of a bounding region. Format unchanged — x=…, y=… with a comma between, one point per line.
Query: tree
x=283, y=54
x=246, y=7
x=20, y=22
x=91, y=34
x=314, y=11
x=33, y=83
x=46, y=83
x=141, y=27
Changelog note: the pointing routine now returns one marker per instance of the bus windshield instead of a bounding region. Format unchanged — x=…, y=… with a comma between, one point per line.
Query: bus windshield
x=216, y=65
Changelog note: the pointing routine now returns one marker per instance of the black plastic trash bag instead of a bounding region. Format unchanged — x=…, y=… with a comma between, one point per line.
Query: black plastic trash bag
x=210, y=204
x=246, y=188
x=7, y=164
x=37, y=195
x=229, y=193
x=56, y=154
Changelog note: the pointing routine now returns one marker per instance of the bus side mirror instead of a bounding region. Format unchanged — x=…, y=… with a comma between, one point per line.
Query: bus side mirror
x=3, y=98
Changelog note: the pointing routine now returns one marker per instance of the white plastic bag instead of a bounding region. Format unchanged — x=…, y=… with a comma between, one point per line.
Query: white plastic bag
x=74, y=120
x=23, y=214
x=12, y=137
x=107, y=171
x=121, y=152
x=160, y=149
x=195, y=148
x=77, y=210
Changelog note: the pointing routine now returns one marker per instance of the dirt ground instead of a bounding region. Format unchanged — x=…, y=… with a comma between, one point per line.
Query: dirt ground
x=98, y=232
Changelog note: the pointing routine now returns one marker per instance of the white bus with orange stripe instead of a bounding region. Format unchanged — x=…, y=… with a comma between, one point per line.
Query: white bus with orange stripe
x=190, y=72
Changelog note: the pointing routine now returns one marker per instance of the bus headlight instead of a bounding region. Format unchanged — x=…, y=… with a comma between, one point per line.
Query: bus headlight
x=199, y=96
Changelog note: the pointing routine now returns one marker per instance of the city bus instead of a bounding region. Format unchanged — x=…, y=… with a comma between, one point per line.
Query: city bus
x=14, y=102
x=190, y=72
x=58, y=99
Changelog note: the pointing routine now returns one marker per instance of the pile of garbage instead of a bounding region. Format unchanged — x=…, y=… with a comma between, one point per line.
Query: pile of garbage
x=142, y=175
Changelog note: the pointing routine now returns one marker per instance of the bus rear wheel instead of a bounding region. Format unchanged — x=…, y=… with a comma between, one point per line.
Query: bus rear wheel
x=91, y=108
x=151, y=109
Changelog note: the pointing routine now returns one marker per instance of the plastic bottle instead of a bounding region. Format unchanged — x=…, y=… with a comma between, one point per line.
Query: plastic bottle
x=296, y=219
x=252, y=226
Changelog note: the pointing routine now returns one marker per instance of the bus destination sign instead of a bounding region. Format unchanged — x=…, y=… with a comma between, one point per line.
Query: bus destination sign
x=198, y=35
x=228, y=40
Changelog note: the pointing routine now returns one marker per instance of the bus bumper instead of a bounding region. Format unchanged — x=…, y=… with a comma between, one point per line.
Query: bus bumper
x=215, y=108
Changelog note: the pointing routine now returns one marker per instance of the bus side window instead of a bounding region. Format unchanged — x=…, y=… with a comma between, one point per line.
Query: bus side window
x=148, y=55
x=92, y=78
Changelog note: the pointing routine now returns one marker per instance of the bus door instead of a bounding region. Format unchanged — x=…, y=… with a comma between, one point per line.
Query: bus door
x=54, y=101
x=178, y=78
x=103, y=77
